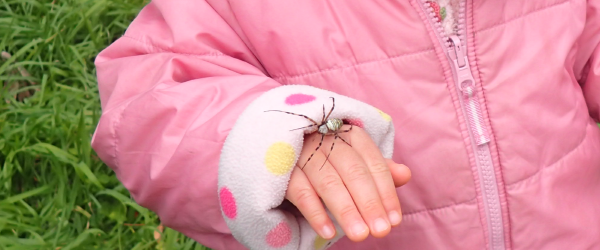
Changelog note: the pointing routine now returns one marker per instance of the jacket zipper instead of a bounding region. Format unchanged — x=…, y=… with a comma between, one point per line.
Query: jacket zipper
x=471, y=108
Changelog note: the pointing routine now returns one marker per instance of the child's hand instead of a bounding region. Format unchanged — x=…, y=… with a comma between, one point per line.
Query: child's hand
x=357, y=185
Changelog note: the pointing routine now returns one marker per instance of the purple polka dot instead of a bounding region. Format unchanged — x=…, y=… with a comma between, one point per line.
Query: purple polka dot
x=279, y=236
x=296, y=99
x=228, y=203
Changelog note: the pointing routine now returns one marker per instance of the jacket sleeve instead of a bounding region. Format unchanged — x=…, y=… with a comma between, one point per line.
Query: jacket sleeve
x=591, y=87
x=590, y=51
x=171, y=89
x=184, y=126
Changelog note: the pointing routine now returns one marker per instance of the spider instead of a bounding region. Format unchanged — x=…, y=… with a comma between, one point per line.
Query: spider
x=325, y=127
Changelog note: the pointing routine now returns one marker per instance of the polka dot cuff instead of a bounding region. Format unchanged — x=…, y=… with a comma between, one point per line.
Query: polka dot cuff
x=262, y=149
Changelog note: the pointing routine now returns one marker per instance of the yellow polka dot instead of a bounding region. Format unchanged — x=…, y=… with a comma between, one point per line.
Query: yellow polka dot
x=385, y=116
x=280, y=158
x=320, y=242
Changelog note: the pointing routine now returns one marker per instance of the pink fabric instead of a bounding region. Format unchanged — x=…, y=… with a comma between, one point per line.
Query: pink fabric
x=228, y=203
x=296, y=99
x=280, y=235
x=174, y=85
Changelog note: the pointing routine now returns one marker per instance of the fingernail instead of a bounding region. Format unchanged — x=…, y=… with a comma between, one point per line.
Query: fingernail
x=394, y=218
x=381, y=225
x=359, y=229
x=327, y=232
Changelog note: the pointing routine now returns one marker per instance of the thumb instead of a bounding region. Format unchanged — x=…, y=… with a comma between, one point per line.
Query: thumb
x=400, y=173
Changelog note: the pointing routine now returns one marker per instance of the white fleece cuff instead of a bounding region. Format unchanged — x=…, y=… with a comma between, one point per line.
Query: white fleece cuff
x=260, y=152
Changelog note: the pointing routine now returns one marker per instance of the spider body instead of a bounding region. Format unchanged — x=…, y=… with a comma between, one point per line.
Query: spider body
x=331, y=126
x=327, y=126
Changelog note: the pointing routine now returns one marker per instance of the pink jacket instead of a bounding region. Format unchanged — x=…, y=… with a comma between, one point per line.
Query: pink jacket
x=498, y=126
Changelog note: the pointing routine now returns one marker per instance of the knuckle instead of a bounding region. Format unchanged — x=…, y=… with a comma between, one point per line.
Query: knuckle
x=315, y=215
x=357, y=171
x=347, y=212
x=304, y=197
x=390, y=198
x=379, y=168
x=310, y=208
x=330, y=182
x=371, y=205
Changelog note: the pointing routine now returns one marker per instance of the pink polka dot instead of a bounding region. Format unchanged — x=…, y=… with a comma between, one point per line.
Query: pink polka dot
x=228, y=203
x=279, y=236
x=296, y=99
x=355, y=122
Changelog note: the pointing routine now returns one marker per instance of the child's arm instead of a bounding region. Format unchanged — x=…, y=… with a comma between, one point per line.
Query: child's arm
x=590, y=48
x=171, y=90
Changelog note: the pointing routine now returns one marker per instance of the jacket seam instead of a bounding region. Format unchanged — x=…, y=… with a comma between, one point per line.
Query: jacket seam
x=353, y=65
x=243, y=37
x=498, y=25
x=432, y=210
x=162, y=49
x=554, y=164
x=116, y=123
x=585, y=72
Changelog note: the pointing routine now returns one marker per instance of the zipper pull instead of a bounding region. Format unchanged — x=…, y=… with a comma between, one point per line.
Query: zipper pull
x=456, y=52
x=465, y=80
x=466, y=84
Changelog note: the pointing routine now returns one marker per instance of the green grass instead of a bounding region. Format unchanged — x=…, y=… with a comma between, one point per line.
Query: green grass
x=54, y=192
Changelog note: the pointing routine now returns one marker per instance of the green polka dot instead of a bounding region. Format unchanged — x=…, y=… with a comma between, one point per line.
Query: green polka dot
x=280, y=158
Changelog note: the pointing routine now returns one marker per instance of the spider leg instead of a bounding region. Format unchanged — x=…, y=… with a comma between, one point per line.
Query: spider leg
x=338, y=136
x=331, y=110
x=323, y=119
x=290, y=113
x=344, y=140
x=332, y=143
x=343, y=131
x=347, y=130
x=313, y=153
x=312, y=125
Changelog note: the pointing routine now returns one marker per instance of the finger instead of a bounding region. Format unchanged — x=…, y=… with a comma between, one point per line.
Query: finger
x=380, y=171
x=301, y=193
x=361, y=185
x=330, y=187
x=400, y=173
